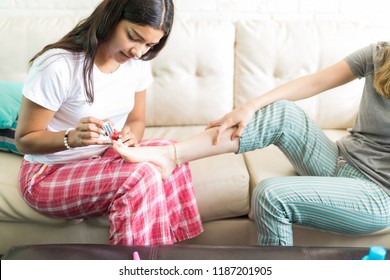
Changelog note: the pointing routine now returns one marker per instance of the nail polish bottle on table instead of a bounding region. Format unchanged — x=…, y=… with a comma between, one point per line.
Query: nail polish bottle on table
x=376, y=253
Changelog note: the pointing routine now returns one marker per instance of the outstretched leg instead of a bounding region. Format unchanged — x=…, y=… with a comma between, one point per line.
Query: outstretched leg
x=281, y=123
x=168, y=157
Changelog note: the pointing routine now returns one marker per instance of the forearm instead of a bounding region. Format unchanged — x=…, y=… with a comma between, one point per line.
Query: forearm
x=135, y=122
x=298, y=89
x=307, y=86
x=41, y=142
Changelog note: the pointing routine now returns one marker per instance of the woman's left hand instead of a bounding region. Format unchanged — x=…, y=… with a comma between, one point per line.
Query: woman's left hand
x=129, y=138
x=238, y=119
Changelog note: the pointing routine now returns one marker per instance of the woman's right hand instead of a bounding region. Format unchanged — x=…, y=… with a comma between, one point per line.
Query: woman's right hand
x=88, y=132
x=238, y=118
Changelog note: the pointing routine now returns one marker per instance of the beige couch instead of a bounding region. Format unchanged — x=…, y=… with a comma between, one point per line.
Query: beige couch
x=208, y=67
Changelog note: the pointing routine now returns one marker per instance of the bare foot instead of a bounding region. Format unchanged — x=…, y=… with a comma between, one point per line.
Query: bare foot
x=162, y=156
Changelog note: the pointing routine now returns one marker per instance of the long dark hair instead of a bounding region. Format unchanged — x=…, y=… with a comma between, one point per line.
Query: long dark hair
x=92, y=32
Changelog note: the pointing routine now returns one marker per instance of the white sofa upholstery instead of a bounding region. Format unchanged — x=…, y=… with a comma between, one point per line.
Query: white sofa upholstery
x=207, y=68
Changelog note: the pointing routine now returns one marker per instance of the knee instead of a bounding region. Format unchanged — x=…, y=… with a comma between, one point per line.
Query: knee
x=286, y=106
x=293, y=118
x=265, y=194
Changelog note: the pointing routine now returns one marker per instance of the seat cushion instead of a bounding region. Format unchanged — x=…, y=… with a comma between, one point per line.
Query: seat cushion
x=12, y=206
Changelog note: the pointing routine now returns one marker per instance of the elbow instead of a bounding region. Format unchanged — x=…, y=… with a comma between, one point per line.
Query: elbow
x=21, y=145
x=21, y=148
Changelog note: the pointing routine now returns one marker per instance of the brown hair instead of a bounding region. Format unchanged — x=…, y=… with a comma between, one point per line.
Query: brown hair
x=95, y=30
x=382, y=74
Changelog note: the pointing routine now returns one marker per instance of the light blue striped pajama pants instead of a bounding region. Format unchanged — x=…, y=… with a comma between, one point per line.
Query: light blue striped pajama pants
x=329, y=194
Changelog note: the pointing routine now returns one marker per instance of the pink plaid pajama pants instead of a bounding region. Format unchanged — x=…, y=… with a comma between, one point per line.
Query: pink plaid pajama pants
x=142, y=208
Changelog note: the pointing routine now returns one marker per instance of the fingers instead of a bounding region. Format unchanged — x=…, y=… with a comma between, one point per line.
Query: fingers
x=220, y=130
x=89, y=131
x=238, y=131
x=218, y=122
x=213, y=124
x=129, y=142
x=129, y=139
x=90, y=127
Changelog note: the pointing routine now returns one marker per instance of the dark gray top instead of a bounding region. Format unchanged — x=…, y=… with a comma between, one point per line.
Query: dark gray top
x=367, y=147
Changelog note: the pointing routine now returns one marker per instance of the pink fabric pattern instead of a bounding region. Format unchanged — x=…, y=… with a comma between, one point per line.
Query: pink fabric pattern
x=142, y=208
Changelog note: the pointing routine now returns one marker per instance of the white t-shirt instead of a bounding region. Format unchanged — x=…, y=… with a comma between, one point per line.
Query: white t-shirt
x=55, y=82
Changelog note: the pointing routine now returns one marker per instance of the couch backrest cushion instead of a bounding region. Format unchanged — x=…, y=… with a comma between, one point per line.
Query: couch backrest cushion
x=23, y=37
x=193, y=74
x=269, y=53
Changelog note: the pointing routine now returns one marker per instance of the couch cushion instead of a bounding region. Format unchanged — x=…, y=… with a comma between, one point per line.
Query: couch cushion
x=11, y=97
x=12, y=206
x=7, y=140
x=221, y=186
x=193, y=74
x=25, y=37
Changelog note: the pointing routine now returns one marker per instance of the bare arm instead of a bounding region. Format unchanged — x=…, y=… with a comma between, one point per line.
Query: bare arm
x=32, y=137
x=134, y=128
x=307, y=86
x=301, y=88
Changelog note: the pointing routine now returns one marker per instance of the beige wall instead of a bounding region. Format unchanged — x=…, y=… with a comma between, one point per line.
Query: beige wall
x=373, y=12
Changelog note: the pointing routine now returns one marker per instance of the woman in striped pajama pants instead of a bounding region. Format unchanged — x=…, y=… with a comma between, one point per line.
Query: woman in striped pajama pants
x=343, y=187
